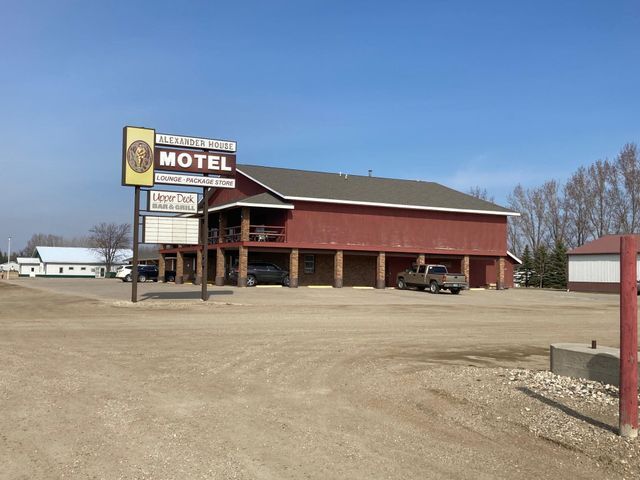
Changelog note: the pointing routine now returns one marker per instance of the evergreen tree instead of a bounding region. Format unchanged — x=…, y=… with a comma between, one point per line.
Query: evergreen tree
x=557, y=269
x=526, y=269
x=540, y=265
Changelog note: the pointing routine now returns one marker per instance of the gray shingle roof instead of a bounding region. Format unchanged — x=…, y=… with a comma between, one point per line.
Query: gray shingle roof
x=335, y=188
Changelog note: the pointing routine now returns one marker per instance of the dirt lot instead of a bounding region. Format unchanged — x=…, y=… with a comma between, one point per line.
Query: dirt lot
x=311, y=383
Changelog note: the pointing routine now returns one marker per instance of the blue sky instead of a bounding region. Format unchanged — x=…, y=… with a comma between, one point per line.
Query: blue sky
x=463, y=93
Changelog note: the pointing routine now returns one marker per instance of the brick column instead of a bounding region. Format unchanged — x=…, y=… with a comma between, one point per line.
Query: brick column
x=220, y=267
x=244, y=225
x=380, y=271
x=179, y=267
x=337, y=269
x=222, y=226
x=293, y=268
x=501, y=265
x=420, y=260
x=466, y=268
x=198, y=268
x=242, y=266
x=162, y=267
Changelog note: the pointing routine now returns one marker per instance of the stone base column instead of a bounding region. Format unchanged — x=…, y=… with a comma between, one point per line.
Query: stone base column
x=466, y=268
x=293, y=268
x=500, y=275
x=162, y=267
x=220, y=274
x=179, y=267
x=380, y=271
x=243, y=258
x=338, y=269
x=198, y=279
x=421, y=259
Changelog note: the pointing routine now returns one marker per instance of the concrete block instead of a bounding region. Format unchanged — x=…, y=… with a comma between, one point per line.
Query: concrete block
x=578, y=360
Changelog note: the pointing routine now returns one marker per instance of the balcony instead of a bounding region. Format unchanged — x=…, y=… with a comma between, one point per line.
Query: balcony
x=257, y=233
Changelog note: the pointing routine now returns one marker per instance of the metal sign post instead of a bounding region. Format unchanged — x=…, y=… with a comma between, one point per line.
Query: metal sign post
x=134, y=263
x=205, y=242
x=628, y=426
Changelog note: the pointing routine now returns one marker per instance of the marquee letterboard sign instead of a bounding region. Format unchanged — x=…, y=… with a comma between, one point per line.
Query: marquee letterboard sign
x=174, y=230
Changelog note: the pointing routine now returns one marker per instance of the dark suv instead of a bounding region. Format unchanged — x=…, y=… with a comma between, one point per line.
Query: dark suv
x=145, y=272
x=258, y=272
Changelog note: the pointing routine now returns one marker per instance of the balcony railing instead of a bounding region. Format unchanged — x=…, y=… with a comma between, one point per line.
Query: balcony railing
x=257, y=233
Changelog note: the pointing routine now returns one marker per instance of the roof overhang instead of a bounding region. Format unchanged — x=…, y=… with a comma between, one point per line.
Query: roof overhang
x=515, y=259
x=376, y=204
x=240, y=203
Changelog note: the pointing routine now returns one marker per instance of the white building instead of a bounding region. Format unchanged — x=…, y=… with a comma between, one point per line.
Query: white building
x=9, y=267
x=595, y=266
x=68, y=262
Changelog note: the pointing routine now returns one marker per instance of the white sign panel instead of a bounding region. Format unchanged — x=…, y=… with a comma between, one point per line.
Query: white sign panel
x=195, y=142
x=175, y=230
x=193, y=181
x=174, y=202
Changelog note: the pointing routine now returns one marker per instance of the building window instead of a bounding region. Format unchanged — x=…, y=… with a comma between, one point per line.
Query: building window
x=33, y=269
x=83, y=268
x=61, y=270
x=70, y=268
x=93, y=270
x=309, y=264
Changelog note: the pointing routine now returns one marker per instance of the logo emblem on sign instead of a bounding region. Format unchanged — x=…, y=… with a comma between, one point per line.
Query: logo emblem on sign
x=139, y=156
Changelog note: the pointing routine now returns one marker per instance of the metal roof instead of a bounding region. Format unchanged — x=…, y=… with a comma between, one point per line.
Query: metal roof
x=76, y=255
x=364, y=190
x=606, y=244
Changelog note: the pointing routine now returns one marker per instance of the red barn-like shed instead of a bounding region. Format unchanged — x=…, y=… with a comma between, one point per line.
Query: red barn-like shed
x=337, y=229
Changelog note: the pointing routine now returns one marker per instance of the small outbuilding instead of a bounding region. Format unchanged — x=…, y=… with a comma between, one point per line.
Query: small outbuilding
x=68, y=262
x=595, y=266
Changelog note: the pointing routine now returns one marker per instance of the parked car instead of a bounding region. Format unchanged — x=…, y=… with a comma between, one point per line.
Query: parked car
x=145, y=272
x=259, y=272
x=436, y=277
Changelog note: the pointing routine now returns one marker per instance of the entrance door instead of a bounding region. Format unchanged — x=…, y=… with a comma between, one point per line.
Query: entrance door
x=101, y=272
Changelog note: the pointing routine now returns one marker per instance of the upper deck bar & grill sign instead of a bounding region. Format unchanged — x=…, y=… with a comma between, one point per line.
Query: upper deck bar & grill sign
x=197, y=162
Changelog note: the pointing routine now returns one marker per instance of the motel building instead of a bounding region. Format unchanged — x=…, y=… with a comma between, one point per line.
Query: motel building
x=346, y=230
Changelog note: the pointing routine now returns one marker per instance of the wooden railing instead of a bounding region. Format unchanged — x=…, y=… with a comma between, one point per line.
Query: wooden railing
x=257, y=233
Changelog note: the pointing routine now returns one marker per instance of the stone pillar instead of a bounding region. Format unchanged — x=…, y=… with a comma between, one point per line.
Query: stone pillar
x=242, y=266
x=466, y=268
x=421, y=259
x=222, y=227
x=244, y=224
x=500, y=274
x=179, y=267
x=380, y=271
x=220, y=267
x=293, y=268
x=162, y=267
x=198, y=269
x=337, y=269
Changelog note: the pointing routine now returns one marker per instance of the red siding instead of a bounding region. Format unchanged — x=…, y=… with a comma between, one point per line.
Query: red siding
x=244, y=188
x=427, y=231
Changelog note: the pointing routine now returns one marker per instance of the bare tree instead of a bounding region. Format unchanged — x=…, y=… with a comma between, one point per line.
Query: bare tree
x=108, y=238
x=481, y=193
x=532, y=207
x=555, y=216
x=41, y=240
x=625, y=188
x=514, y=235
x=577, y=204
x=600, y=199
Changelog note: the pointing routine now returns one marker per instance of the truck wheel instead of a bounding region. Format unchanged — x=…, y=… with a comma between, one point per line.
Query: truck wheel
x=455, y=291
x=433, y=287
x=401, y=284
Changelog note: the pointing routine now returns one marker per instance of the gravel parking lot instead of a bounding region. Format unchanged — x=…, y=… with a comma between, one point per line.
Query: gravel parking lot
x=276, y=383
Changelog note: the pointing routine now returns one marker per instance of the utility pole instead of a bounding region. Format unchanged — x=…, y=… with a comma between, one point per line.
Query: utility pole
x=9, y=252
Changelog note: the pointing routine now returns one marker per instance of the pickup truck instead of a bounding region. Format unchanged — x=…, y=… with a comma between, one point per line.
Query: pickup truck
x=435, y=277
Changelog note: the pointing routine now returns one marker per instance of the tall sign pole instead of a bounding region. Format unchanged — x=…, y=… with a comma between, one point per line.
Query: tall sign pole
x=205, y=243
x=136, y=229
x=628, y=426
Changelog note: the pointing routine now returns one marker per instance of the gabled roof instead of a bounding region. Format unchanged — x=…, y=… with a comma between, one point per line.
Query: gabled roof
x=76, y=255
x=261, y=200
x=603, y=245
x=364, y=190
